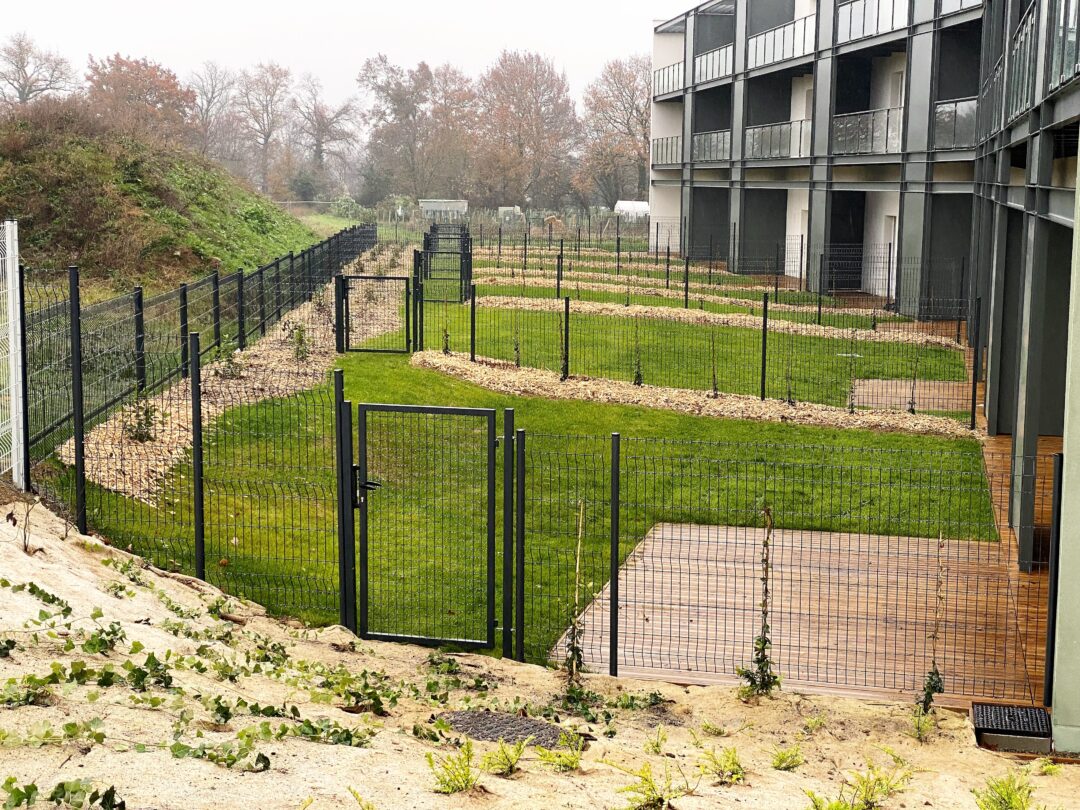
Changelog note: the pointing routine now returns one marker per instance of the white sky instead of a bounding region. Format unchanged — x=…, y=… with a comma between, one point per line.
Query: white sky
x=332, y=39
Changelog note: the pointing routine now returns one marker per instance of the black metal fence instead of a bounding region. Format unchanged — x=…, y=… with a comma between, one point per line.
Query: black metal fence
x=249, y=469
x=87, y=363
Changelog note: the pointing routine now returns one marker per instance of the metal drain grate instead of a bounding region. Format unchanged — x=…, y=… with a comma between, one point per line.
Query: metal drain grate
x=1014, y=721
x=510, y=728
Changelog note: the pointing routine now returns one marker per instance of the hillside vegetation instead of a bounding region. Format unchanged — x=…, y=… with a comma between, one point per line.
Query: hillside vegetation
x=129, y=211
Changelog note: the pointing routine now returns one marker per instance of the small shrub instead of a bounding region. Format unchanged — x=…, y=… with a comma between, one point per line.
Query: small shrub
x=869, y=789
x=454, y=773
x=301, y=349
x=655, y=744
x=922, y=724
x=361, y=802
x=713, y=730
x=760, y=680
x=788, y=759
x=503, y=761
x=814, y=724
x=724, y=767
x=139, y=424
x=565, y=758
x=647, y=792
x=1010, y=792
x=1044, y=767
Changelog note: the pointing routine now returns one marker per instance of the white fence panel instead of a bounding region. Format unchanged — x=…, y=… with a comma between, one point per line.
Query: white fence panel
x=12, y=445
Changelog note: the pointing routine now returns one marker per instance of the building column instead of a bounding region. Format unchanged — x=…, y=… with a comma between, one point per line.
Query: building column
x=1067, y=658
x=1032, y=346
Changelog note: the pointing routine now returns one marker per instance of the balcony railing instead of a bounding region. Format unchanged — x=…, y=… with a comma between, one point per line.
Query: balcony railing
x=668, y=79
x=712, y=146
x=1064, y=57
x=866, y=18
x=954, y=123
x=992, y=107
x=875, y=132
x=953, y=6
x=1022, y=53
x=788, y=41
x=789, y=139
x=714, y=64
x=667, y=151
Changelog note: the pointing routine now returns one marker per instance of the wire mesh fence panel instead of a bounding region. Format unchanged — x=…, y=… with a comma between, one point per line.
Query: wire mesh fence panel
x=879, y=570
x=427, y=524
x=567, y=531
x=10, y=331
x=377, y=312
x=270, y=493
x=48, y=366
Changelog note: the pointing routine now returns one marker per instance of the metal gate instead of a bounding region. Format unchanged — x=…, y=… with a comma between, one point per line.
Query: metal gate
x=374, y=314
x=426, y=498
x=446, y=275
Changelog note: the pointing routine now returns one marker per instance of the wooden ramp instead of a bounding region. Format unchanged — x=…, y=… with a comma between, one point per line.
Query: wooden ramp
x=852, y=614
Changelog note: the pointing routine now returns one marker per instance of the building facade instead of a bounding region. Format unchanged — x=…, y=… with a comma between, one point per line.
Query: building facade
x=933, y=144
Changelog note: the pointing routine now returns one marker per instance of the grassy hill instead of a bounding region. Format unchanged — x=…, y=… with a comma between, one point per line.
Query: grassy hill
x=126, y=211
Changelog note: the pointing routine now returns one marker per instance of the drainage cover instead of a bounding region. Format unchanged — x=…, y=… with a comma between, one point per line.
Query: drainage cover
x=510, y=728
x=1017, y=721
x=1023, y=729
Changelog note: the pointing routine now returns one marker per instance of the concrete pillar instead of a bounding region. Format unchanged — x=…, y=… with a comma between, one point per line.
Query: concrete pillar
x=1067, y=662
x=1032, y=346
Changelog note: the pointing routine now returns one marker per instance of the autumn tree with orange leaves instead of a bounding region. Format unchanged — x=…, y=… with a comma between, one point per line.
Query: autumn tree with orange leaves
x=140, y=98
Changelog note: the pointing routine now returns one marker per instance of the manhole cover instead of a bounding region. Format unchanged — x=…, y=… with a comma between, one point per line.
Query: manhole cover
x=510, y=728
x=1019, y=721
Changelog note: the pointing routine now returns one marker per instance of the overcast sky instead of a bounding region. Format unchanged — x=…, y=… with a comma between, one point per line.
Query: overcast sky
x=332, y=39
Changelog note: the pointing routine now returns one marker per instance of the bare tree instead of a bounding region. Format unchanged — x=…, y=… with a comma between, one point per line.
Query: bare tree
x=617, y=115
x=28, y=72
x=323, y=127
x=215, y=88
x=263, y=102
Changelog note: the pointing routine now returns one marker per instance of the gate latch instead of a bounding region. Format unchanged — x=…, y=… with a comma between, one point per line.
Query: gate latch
x=360, y=488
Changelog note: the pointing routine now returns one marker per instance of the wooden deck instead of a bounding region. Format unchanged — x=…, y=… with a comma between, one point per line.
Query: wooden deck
x=852, y=614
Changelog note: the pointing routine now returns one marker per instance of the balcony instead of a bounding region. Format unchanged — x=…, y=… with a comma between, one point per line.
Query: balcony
x=867, y=18
x=954, y=123
x=713, y=65
x=667, y=151
x=709, y=147
x=788, y=139
x=788, y=41
x=1064, y=57
x=875, y=132
x=669, y=79
x=953, y=6
x=1020, y=93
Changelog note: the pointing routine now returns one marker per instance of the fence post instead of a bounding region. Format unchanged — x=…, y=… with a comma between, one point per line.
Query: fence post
x=241, y=325
x=262, y=299
x=667, y=268
x=618, y=255
x=820, y=287
x=764, y=342
x=613, y=584
x=519, y=544
x=976, y=363
x=185, y=356
x=78, y=413
x=140, y=340
x=803, y=259
x=508, y=534
x=198, y=490
x=566, y=340
x=346, y=505
x=525, y=260
x=686, y=282
x=498, y=256
x=419, y=298
x=1052, y=582
x=963, y=266
x=21, y=456
x=472, y=323
x=559, y=272
x=657, y=244
x=215, y=306
x=339, y=314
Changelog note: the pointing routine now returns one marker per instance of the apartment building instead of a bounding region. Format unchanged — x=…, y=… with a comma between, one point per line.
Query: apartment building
x=916, y=150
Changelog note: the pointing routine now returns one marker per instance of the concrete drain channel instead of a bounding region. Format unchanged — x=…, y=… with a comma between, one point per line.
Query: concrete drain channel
x=510, y=728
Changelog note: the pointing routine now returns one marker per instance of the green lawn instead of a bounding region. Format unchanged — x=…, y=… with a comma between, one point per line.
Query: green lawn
x=679, y=355
x=270, y=508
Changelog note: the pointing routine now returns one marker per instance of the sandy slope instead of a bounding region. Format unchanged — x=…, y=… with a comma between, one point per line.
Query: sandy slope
x=294, y=665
